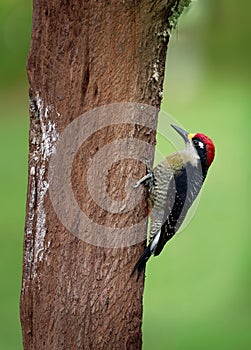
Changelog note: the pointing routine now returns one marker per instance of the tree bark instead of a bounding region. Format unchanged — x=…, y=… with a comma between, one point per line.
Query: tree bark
x=83, y=55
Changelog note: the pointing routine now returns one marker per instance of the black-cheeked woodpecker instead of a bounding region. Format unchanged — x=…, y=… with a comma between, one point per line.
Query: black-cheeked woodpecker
x=172, y=187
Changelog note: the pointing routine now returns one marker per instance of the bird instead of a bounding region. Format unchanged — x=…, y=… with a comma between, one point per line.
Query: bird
x=172, y=187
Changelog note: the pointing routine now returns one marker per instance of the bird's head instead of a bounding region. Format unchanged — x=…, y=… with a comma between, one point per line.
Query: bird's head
x=203, y=145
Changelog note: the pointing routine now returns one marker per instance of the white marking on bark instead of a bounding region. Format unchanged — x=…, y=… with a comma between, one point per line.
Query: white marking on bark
x=41, y=216
x=49, y=134
x=32, y=171
x=30, y=218
x=45, y=147
x=156, y=71
x=164, y=34
x=161, y=94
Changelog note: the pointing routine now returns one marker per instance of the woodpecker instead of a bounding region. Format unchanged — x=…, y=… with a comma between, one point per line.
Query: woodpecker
x=172, y=187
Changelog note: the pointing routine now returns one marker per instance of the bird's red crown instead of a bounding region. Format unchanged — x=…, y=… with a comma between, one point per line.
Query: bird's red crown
x=209, y=147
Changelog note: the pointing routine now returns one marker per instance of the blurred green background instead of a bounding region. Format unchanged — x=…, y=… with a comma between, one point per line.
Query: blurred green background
x=198, y=292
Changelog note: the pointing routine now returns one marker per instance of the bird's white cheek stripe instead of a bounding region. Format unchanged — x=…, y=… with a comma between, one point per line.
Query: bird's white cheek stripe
x=201, y=145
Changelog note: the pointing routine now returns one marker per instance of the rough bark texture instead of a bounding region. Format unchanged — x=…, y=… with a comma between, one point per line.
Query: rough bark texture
x=86, y=54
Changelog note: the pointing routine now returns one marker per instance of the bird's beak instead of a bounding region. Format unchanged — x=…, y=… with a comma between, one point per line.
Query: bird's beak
x=184, y=134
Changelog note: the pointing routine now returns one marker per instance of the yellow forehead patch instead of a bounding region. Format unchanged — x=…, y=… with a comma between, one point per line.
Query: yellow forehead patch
x=190, y=136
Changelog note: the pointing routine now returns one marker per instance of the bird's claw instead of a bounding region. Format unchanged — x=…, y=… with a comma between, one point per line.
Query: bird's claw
x=149, y=174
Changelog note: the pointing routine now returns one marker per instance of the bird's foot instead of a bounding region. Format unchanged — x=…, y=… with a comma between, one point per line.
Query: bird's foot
x=142, y=180
x=148, y=177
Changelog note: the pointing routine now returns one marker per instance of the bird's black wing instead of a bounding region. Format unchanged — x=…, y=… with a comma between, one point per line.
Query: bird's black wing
x=185, y=187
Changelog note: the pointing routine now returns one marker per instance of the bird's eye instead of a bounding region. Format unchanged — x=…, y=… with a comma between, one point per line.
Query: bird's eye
x=195, y=142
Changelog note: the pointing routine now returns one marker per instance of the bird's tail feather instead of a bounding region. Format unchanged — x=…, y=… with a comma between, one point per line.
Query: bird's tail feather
x=141, y=263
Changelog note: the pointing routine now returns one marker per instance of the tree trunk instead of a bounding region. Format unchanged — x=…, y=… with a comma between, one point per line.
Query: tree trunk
x=77, y=292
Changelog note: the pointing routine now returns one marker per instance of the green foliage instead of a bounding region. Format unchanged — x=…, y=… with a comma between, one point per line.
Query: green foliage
x=15, y=31
x=13, y=183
